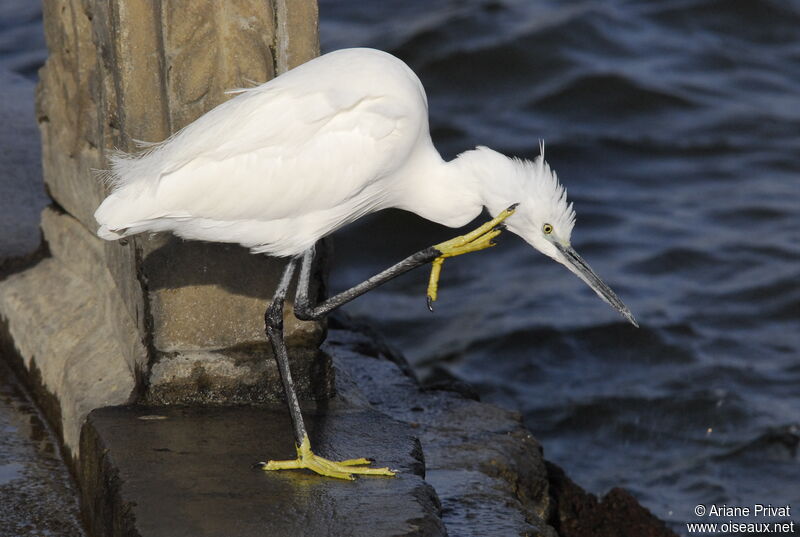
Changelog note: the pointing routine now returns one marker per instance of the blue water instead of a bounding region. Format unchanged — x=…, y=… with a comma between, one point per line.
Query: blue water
x=675, y=126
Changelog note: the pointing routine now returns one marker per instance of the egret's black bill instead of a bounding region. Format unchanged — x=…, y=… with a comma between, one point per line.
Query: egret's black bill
x=593, y=280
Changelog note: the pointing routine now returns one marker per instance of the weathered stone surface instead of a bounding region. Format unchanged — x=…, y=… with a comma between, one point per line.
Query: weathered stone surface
x=58, y=324
x=213, y=296
x=130, y=70
x=67, y=110
x=617, y=514
x=173, y=472
x=297, y=39
x=487, y=469
x=247, y=375
x=82, y=253
x=207, y=304
x=212, y=47
x=194, y=362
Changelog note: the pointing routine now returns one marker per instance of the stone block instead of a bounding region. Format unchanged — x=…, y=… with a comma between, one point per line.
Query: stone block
x=297, y=33
x=69, y=117
x=211, y=47
x=244, y=375
x=128, y=34
x=126, y=70
x=207, y=304
x=211, y=296
x=206, y=314
x=83, y=254
x=58, y=325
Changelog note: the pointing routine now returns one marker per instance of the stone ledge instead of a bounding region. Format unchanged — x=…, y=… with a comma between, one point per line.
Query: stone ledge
x=246, y=375
x=486, y=467
x=187, y=471
x=56, y=323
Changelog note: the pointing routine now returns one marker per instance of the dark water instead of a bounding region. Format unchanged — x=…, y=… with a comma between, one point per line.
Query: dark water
x=675, y=125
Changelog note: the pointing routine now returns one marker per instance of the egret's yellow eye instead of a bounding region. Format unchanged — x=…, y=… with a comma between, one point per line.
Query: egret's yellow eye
x=547, y=229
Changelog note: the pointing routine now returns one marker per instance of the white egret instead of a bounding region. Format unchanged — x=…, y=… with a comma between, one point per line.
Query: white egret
x=283, y=164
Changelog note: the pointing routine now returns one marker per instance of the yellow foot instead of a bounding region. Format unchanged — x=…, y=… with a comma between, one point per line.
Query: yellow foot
x=340, y=470
x=478, y=239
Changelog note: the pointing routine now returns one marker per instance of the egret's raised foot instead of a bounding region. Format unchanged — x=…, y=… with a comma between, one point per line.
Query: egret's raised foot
x=341, y=470
x=477, y=239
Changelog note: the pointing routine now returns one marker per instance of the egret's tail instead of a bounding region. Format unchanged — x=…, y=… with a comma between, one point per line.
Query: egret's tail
x=126, y=211
x=112, y=215
x=104, y=233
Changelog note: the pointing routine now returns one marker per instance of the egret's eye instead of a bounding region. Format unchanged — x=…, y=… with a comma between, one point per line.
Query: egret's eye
x=547, y=229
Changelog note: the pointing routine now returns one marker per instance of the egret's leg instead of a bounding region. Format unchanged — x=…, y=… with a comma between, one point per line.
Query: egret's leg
x=302, y=305
x=305, y=457
x=473, y=241
x=273, y=320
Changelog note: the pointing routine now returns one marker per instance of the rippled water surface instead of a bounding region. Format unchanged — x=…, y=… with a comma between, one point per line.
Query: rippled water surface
x=675, y=126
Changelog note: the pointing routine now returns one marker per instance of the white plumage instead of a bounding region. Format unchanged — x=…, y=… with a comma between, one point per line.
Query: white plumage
x=283, y=164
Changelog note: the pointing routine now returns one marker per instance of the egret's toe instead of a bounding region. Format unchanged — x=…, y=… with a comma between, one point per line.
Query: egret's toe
x=345, y=469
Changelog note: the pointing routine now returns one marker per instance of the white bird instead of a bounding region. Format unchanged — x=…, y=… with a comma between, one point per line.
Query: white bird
x=283, y=164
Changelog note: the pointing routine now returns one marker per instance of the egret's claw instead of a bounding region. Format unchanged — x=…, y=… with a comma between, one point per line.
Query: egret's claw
x=478, y=239
x=339, y=470
x=433, y=282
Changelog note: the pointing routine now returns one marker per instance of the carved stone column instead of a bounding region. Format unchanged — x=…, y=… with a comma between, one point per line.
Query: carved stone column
x=153, y=318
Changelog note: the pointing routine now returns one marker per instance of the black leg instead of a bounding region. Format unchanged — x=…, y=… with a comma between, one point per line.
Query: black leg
x=273, y=319
x=478, y=239
x=302, y=305
x=473, y=241
x=306, y=458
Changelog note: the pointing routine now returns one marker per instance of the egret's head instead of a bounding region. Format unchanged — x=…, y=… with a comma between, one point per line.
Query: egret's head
x=544, y=218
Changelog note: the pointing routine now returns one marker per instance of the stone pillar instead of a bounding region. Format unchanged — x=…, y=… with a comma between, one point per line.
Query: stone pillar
x=153, y=318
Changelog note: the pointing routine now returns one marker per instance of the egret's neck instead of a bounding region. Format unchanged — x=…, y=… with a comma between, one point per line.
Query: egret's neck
x=494, y=176
x=437, y=190
x=454, y=193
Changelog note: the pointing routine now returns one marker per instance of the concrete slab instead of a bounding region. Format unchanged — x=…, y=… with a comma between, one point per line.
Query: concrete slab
x=174, y=472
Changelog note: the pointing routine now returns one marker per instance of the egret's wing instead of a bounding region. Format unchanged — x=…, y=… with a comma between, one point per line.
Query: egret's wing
x=273, y=153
